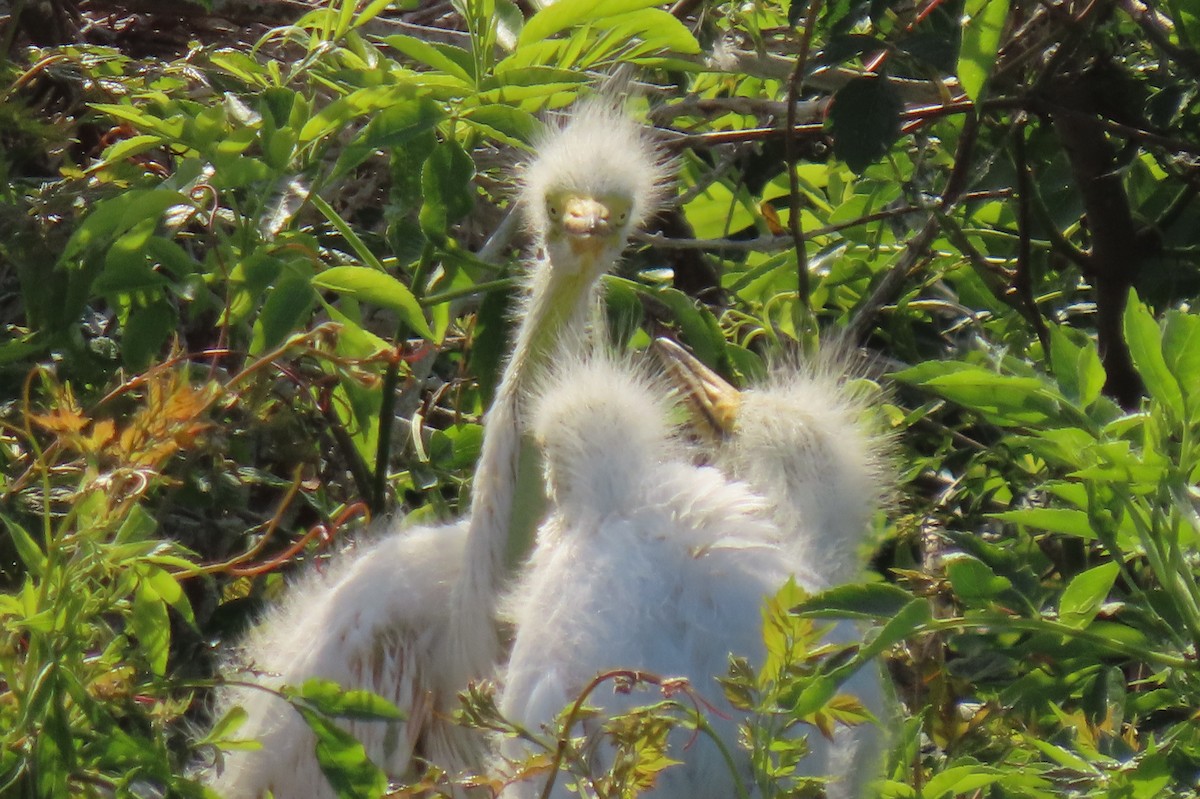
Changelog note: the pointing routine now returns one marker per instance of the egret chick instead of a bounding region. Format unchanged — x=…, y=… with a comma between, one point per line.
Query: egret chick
x=804, y=442
x=413, y=616
x=647, y=562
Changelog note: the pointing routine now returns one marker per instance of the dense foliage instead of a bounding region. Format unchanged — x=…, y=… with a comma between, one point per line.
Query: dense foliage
x=256, y=285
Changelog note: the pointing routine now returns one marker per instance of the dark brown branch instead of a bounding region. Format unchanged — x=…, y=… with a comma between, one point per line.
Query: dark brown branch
x=1023, y=279
x=1114, y=258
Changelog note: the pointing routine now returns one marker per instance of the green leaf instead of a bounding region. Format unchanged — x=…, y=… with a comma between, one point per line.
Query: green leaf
x=330, y=699
x=432, y=55
x=1055, y=520
x=1181, y=351
x=151, y=625
x=167, y=588
x=974, y=581
x=569, y=13
x=446, y=184
x=377, y=288
x=814, y=696
x=227, y=725
x=1145, y=346
x=1085, y=594
x=137, y=526
x=505, y=123
x=864, y=601
x=899, y=627
x=117, y=215
x=343, y=759
x=865, y=121
x=28, y=550
x=959, y=780
x=127, y=148
x=1003, y=399
x=283, y=312
x=338, y=114
x=392, y=127
x=1077, y=367
x=146, y=332
x=980, y=41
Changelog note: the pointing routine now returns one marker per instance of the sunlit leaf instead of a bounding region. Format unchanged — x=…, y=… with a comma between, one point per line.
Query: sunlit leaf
x=343, y=760
x=1085, y=594
x=980, y=39
x=1145, y=346
x=377, y=288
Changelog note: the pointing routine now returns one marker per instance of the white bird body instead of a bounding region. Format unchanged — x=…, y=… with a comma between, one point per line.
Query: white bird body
x=805, y=441
x=375, y=619
x=802, y=440
x=647, y=563
x=413, y=617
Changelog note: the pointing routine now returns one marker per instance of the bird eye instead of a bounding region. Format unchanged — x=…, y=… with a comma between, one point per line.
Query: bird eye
x=553, y=210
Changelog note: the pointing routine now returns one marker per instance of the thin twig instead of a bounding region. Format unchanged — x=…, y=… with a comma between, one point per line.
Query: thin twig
x=795, y=84
x=916, y=252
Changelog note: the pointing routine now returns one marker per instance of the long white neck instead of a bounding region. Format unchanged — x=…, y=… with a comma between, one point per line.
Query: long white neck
x=557, y=305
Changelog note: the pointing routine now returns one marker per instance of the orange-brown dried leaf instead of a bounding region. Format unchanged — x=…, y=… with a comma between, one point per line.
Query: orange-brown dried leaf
x=65, y=418
x=98, y=437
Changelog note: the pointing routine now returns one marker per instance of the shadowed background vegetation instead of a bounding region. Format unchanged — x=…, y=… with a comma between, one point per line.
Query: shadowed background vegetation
x=256, y=262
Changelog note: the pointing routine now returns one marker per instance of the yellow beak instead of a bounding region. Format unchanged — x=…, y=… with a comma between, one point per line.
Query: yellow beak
x=712, y=402
x=588, y=224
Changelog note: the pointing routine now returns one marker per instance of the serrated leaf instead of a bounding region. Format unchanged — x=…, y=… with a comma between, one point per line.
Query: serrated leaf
x=865, y=121
x=377, y=288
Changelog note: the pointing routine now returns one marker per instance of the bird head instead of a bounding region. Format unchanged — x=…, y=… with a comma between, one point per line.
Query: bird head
x=591, y=181
x=602, y=423
x=585, y=233
x=712, y=402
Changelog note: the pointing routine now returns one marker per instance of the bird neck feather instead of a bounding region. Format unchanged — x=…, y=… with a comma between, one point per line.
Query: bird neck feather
x=556, y=307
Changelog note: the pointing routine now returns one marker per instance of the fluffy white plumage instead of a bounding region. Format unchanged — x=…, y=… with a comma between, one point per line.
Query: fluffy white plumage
x=373, y=620
x=804, y=439
x=647, y=562
x=413, y=616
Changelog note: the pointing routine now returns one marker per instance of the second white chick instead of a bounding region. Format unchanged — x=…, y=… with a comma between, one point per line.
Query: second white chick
x=647, y=562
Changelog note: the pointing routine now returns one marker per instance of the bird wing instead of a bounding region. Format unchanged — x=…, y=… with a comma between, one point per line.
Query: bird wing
x=374, y=620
